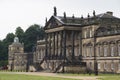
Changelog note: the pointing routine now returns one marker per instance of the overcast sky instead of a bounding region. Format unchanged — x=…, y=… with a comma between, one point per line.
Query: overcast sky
x=23, y=13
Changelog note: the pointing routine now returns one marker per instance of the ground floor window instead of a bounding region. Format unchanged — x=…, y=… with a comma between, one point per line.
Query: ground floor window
x=105, y=66
x=119, y=66
x=112, y=66
x=98, y=65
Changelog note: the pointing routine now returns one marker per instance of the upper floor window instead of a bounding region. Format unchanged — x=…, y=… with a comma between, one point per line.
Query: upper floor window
x=119, y=49
x=90, y=48
x=84, y=51
x=98, y=51
x=112, y=50
x=90, y=33
x=105, y=50
x=85, y=34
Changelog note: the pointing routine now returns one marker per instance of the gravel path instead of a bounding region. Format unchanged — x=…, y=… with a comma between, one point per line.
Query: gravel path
x=55, y=75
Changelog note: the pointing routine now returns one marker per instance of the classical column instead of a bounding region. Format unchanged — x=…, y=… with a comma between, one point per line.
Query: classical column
x=46, y=52
x=64, y=43
x=95, y=59
x=64, y=48
x=53, y=45
x=72, y=38
x=49, y=45
x=61, y=34
x=57, y=46
x=80, y=44
x=116, y=49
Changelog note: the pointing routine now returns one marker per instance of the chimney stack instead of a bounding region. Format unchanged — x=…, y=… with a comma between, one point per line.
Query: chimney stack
x=109, y=13
x=55, y=11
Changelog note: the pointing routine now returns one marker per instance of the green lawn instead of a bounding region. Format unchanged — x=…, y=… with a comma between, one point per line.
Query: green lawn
x=109, y=77
x=4, y=76
x=100, y=76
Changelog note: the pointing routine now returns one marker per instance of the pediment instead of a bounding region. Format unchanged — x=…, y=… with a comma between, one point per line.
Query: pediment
x=52, y=23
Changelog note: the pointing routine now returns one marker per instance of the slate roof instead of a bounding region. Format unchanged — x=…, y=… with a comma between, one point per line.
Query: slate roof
x=80, y=21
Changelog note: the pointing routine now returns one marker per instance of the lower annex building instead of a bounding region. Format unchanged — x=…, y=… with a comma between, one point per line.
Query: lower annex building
x=18, y=60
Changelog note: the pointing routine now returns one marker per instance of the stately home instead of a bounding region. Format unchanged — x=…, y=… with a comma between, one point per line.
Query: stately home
x=17, y=59
x=78, y=44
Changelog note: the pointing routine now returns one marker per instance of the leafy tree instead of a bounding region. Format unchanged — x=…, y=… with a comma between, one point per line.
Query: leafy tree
x=32, y=34
x=20, y=33
x=29, y=37
x=9, y=39
x=4, y=48
x=6, y=42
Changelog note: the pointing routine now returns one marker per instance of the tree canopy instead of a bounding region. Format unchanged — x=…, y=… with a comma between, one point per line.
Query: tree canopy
x=32, y=34
x=29, y=38
x=20, y=33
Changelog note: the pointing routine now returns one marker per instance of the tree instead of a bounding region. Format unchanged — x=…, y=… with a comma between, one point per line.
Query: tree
x=9, y=39
x=20, y=33
x=4, y=48
x=6, y=42
x=29, y=37
x=32, y=34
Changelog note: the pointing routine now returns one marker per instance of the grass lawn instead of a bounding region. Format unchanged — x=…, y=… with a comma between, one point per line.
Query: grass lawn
x=109, y=77
x=4, y=76
x=100, y=76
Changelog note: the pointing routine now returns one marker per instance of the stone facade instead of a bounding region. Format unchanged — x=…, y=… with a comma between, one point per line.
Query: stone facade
x=74, y=44
x=17, y=59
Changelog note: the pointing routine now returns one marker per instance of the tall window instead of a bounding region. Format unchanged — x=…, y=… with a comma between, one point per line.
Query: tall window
x=90, y=48
x=112, y=50
x=105, y=50
x=87, y=51
x=98, y=65
x=98, y=51
x=90, y=32
x=85, y=34
x=38, y=54
x=105, y=66
x=119, y=66
x=119, y=50
x=112, y=66
x=101, y=51
x=84, y=51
